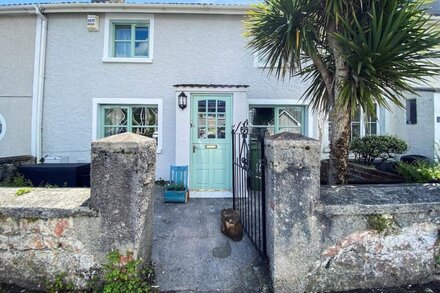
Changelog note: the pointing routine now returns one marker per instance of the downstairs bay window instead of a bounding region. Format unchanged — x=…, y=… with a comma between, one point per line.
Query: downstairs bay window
x=138, y=119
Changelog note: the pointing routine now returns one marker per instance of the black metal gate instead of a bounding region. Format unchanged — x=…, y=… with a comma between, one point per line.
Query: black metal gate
x=248, y=181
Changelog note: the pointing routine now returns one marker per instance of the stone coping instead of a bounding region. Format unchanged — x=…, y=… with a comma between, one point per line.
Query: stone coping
x=379, y=199
x=45, y=203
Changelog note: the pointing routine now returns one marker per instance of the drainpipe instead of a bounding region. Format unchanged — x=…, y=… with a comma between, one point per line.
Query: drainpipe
x=38, y=83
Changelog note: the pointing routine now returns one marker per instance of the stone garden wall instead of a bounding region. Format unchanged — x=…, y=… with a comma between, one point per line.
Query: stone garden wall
x=34, y=251
x=343, y=238
x=47, y=232
x=9, y=166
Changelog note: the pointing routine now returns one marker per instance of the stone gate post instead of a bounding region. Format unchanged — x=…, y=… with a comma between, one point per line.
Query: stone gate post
x=122, y=191
x=292, y=189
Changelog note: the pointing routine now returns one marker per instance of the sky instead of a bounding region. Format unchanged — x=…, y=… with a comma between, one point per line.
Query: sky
x=2, y=2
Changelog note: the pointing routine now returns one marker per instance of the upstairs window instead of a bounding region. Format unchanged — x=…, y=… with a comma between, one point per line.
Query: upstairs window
x=411, y=111
x=128, y=39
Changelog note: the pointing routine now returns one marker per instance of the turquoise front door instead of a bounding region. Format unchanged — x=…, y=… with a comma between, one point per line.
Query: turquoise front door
x=210, y=167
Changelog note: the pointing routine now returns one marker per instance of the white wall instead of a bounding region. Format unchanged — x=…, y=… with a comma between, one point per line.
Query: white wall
x=437, y=124
x=187, y=49
x=17, y=39
x=420, y=136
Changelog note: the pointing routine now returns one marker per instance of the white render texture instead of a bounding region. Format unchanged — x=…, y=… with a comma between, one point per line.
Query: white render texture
x=421, y=136
x=187, y=49
x=17, y=36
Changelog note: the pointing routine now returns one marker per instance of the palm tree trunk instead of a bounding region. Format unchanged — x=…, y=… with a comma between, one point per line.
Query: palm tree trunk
x=339, y=146
x=340, y=116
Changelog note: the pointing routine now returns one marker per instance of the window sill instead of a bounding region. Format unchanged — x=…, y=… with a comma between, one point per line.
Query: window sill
x=126, y=60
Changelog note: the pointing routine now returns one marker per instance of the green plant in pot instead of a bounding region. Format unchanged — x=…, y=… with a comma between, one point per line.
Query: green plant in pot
x=176, y=192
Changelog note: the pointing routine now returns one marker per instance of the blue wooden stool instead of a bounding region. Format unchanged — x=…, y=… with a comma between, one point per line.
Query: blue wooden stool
x=177, y=190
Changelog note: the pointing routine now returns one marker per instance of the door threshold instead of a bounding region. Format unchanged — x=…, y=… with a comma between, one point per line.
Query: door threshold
x=210, y=194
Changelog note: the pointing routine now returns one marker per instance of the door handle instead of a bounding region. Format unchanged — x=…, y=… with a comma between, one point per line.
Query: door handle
x=194, y=148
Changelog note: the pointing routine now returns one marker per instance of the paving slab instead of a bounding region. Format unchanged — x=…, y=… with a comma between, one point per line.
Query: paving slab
x=190, y=254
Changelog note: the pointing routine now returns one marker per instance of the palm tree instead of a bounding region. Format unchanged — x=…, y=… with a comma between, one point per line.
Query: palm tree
x=353, y=54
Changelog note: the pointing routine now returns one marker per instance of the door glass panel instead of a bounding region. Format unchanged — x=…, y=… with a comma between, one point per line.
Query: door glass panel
x=221, y=132
x=212, y=132
x=221, y=106
x=211, y=105
x=211, y=119
x=202, y=119
x=201, y=133
x=221, y=121
x=202, y=106
x=115, y=116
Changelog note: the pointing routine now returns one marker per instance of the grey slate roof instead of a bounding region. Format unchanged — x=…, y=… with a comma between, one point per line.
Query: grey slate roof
x=200, y=85
x=182, y=2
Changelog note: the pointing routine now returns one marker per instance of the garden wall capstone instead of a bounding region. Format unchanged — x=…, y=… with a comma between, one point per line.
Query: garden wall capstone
x=50, y=231
x=323, y=239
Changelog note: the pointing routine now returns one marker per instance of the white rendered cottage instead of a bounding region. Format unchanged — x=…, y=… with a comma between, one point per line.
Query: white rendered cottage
x=74, y=72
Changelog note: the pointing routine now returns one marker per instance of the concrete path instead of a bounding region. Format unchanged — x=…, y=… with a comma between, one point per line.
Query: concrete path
x=190, y=253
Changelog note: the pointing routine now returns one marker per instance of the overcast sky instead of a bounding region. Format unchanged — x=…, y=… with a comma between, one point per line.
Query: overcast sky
x=135, y=1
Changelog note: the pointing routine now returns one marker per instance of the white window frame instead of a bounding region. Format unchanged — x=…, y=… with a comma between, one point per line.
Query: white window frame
x=362, y=122
x=3, y=123
x=108, y=37
x=147, y=102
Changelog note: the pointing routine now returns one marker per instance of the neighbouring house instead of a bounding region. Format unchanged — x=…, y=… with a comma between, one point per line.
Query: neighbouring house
x=71, y=73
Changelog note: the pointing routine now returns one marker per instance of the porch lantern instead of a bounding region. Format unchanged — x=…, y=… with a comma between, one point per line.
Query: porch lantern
x=182, y=100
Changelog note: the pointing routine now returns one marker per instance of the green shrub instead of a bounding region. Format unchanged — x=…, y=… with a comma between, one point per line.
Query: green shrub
x=122, y=273
x=380, y=223
x=176, y=187
x=369, y=148
x=60, y=284
x=419, y=172
x=17, y=181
